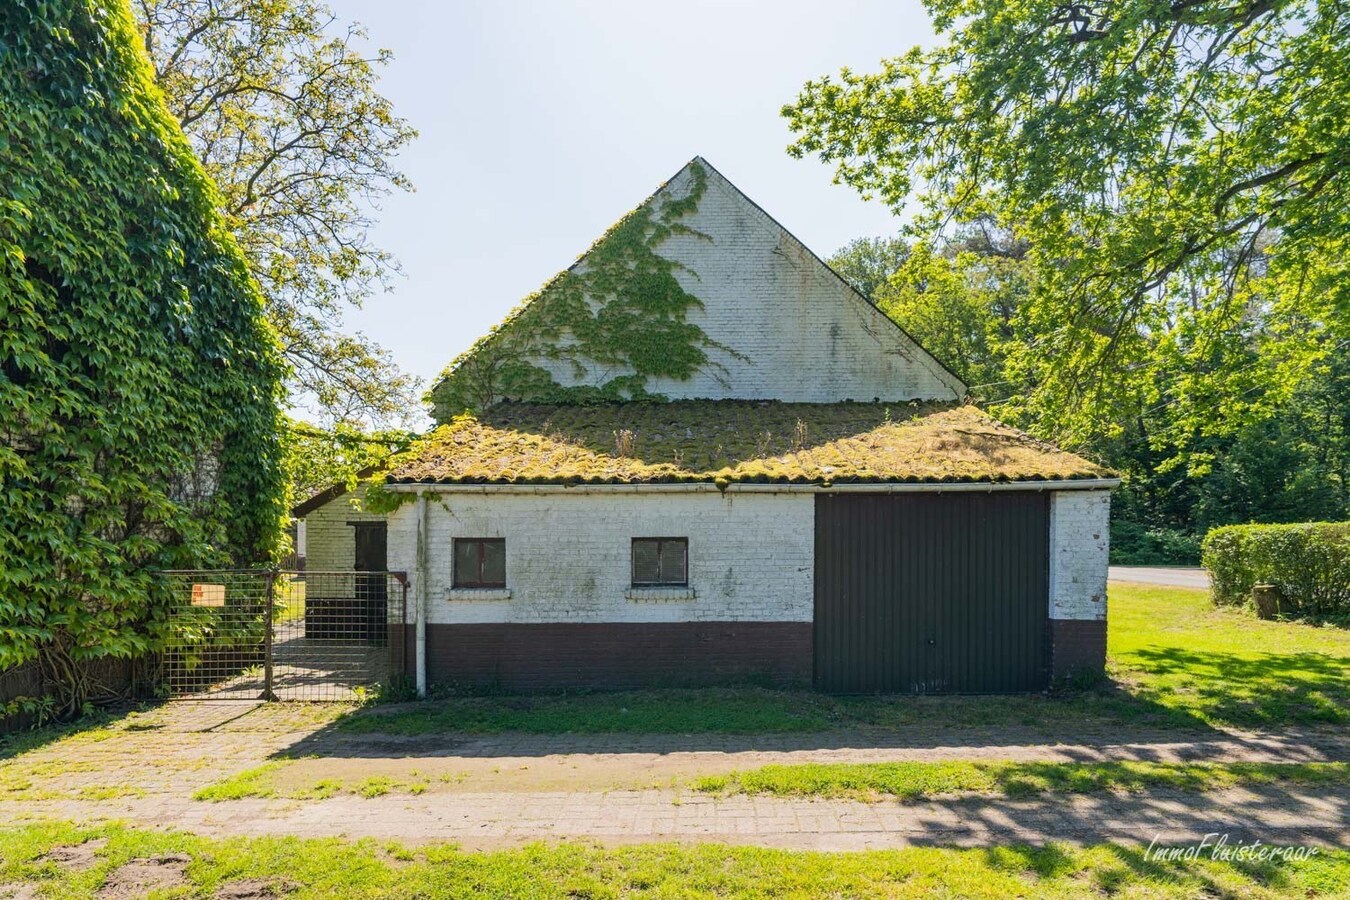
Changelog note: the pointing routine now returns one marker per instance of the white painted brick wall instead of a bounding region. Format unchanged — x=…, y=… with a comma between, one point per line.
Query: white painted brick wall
x=804, y=335
x=568, y=556
x=330, y=543
x=1079, y=551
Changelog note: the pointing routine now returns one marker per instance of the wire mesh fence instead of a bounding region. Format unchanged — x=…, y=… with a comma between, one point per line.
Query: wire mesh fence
x=283, y=635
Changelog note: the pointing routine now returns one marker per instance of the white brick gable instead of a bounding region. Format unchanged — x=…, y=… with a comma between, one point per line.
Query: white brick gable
x=793, y=329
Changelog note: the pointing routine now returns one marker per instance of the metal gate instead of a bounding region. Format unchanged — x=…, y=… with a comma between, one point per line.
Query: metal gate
x=932, y=593
x=283, y=635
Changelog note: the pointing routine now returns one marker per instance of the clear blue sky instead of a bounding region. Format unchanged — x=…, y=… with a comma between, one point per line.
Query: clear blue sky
x=543, y=122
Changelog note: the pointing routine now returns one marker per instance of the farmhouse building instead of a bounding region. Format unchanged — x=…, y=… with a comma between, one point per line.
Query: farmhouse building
x=699, y=456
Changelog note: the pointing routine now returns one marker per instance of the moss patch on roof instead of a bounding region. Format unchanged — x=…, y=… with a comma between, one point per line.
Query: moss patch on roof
x=728, y=441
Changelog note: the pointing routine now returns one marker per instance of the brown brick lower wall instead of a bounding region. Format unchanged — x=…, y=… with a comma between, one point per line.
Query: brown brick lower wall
x=561, y=656
x=1077, y=648
x=558, y=656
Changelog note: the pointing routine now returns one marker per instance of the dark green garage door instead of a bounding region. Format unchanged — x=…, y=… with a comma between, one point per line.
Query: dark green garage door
x=929, y=593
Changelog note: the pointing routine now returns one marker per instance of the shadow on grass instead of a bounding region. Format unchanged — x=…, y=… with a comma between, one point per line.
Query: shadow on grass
x=908, y=781
x=1051, y=861
x=16, y=743
x=128, y=717
x=1273, y=873
x=1172, y=818
x=1269, y=690
x=737, y=719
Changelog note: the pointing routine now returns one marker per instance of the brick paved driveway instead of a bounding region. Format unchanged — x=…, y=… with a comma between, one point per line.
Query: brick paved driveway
x=513, y=788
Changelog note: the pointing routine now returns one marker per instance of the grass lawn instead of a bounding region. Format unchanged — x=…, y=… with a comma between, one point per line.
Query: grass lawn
x=919, y=780
x=187, y=865
x=1172, y=648
x=1175, y=660
x=754, y=710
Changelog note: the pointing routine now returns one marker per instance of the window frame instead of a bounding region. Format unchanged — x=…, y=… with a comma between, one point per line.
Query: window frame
x=660, y=541
x=457, y=582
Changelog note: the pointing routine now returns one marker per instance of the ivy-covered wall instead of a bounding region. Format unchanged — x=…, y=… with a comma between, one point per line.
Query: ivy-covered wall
x=619, y=308
x=139, y=382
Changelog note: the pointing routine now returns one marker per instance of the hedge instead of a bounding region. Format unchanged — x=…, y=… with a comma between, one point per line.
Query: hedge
x=1309, y=563
x=139, y=381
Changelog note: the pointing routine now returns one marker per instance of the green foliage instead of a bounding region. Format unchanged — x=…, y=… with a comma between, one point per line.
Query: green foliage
x=1177, y=171
x=382, y=501
x=868, y=263
x=139, y=382
x=1134, y=545
x=958, y=296
x=1309, y=563
x=34, y=712
x=318, y=459
x=1291, y=463
x=279, y=100
x=619, y=307
x=398, y=689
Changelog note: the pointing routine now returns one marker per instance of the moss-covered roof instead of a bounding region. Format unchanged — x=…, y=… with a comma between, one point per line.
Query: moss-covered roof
x=727, y=441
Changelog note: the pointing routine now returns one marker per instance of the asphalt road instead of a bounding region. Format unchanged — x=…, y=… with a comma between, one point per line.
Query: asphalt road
x=1172, y=576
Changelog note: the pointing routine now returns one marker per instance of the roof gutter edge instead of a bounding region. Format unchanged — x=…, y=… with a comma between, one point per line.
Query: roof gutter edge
x=705, y=487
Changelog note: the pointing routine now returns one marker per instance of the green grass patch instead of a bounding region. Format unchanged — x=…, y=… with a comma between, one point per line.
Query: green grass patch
x=255, y=782
x=91, y=729
x=306, y=868
x=671, y=711
x=918, y=780
x=262, y=782
x=757, y=711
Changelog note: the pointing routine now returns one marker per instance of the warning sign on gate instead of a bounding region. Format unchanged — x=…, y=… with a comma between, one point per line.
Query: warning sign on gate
x=208, y=594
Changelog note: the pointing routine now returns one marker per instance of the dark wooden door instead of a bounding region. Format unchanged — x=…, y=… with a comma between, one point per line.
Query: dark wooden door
x=372, y=546
x=372, y=591
x=932, y=593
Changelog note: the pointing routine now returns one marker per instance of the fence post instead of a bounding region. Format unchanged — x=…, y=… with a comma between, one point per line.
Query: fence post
x=268, y=613
x=398, y=647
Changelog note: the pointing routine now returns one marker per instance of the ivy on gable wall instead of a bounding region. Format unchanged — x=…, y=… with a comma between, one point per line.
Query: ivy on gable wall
x=620, y=309
x=139, y=381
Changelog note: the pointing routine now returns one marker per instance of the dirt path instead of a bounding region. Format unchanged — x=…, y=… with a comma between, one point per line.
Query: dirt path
x=499, y=789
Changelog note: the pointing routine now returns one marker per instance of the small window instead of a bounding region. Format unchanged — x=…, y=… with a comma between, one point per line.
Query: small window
x=480, y=563
x=660, y=561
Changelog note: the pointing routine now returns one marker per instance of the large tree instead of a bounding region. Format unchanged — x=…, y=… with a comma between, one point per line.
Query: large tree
x=1177, y=168
x=317, y=459
x=868, y=263
x=280, y=103
x=959, y=297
